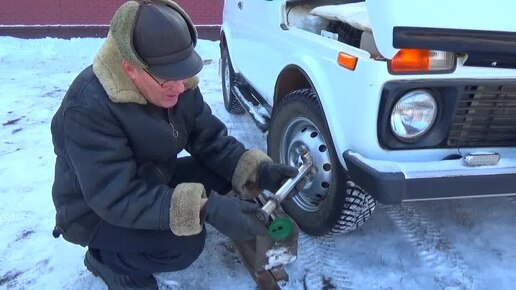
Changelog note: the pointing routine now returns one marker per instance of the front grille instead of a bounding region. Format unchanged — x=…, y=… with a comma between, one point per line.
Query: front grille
x=485, y=117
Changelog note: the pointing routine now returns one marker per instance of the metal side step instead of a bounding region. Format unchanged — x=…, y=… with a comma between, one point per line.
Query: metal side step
x=260, y=114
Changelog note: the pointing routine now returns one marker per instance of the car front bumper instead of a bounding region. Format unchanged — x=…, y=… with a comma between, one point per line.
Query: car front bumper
x=393, y=182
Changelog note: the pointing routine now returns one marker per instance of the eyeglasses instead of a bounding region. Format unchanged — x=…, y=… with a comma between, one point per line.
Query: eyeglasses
x=162, y=85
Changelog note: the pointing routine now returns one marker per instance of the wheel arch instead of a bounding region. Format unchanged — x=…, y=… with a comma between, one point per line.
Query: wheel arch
x=311, y=76
x=293, y=78
x=223, y=40
x=225, y=36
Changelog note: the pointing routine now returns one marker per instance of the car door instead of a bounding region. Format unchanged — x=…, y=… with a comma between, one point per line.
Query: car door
x=252, y=54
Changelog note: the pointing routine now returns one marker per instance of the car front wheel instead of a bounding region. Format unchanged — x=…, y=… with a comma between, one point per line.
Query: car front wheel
x=329, y=202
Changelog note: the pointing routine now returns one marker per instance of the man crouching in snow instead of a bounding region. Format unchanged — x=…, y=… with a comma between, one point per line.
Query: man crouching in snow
x=119, y=187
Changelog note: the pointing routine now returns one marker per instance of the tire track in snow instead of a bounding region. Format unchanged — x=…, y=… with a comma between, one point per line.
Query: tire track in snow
x=339, y=276
x=450, y=270
x=22, y=279
x=15, y=279
x=322, y=269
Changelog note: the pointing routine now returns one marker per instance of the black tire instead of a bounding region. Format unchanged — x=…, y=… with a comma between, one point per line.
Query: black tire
x=232, y=105
x=330, y=202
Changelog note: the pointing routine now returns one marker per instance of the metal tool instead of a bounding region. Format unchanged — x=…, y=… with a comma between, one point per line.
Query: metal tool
x=266, y=255
x=273, y=201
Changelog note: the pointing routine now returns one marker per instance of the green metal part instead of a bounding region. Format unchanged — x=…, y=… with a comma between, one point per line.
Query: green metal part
x=280, y=228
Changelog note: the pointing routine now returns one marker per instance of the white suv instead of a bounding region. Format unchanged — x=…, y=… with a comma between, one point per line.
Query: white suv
x=395, y=100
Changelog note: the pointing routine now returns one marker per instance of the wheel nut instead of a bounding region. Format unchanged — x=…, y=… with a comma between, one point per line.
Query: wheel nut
x=303, y=149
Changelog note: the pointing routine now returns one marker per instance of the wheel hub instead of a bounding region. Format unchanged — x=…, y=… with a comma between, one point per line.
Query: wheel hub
x=299, y=137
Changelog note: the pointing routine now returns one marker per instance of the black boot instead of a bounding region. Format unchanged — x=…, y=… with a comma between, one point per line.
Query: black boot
x=116, y=281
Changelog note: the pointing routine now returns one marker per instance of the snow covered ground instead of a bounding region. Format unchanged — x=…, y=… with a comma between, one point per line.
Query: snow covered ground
x=453, y=244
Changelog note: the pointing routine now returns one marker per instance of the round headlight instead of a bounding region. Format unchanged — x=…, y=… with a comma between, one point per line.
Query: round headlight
x=414, y=114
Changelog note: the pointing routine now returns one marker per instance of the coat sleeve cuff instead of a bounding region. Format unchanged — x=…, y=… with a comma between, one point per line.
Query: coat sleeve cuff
x=185, y=209
x=245, y=177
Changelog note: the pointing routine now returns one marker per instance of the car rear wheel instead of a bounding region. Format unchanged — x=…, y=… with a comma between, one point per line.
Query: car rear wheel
x=232, y=105
x=329, y=202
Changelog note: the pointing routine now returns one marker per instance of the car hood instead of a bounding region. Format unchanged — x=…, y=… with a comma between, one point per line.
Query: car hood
x=456, y=16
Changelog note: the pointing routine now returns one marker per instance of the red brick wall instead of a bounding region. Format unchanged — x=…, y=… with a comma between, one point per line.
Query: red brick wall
x=97, y=12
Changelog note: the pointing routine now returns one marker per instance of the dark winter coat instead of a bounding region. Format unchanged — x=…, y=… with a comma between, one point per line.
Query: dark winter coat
x=116, y=152
x=104, y=149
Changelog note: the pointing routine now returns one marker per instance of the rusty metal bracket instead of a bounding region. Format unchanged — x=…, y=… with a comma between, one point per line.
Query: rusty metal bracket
x=264, y=257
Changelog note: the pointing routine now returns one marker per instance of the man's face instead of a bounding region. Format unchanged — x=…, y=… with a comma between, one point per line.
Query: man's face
x=159, y=92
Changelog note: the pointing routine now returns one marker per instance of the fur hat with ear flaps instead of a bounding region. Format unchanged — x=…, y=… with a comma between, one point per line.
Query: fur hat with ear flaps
x=118, y=47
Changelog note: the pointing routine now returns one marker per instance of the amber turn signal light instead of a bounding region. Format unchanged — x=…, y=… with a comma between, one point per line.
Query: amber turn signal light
x=411, y=60
x=347, y=61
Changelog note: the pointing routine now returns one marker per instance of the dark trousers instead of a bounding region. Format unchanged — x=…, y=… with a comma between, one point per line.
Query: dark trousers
x=143, y=252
